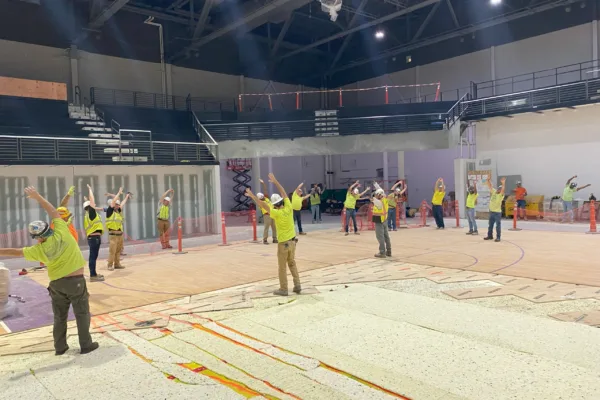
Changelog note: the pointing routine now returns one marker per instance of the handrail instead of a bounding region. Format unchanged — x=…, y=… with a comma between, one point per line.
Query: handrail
x=458, y=105
x=204, y=129
x=339, y=119
x=203, y=134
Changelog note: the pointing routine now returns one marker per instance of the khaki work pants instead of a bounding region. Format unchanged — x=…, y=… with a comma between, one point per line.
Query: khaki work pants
x=65, y=292
x=163, y=231
x=115, y=247
x=269, y=222
x=286, y=257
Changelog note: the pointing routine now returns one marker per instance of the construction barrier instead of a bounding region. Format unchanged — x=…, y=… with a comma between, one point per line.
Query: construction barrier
x=180, y=237
x=514, y=227
x=593, y=218
x=254, y=233
x=239, y=226
x=223, y=230
x=424, y=209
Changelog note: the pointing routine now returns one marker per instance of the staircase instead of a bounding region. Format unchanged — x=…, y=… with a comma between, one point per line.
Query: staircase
x=93, y=125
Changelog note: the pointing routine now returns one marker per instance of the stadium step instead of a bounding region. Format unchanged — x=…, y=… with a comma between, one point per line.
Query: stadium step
x=103, y=136
x=90, y=123
x=96, y=129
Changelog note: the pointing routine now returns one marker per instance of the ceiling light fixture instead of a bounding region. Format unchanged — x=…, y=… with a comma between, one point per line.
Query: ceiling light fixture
x=495, y=2
x=379, y=35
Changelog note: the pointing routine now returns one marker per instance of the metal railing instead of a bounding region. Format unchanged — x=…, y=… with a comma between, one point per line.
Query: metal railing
x=205, y=137
x=567, y=94
x=457, y=110
x=66, y=149
x=346, y=126
x=128, y=98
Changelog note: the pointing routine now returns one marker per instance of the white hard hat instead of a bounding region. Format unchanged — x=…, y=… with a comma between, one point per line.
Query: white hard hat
x=110, y=202
x=355, y=191
x=398, y=190
x=86, y=204
x=276, y=199
x=39, y=229
x=260, y=196
x=379, y=191
x=167, y=198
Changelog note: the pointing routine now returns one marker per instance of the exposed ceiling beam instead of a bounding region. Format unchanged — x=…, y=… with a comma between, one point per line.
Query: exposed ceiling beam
x=178, y=4
x=347, y=32
x=201, y=24
x=426, y=21
x=547, y=5
x=108, y=12
x=348, y=38
x=452, y=13
x=282, y=33
x=185, y=21
x=249, y=21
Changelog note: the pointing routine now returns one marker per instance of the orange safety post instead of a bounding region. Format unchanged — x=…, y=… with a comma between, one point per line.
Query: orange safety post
x=593, y=230
x=254, y=234
x=424, y=213
x=456, y=211
x=387, y=98
x=223, y=230
x=297, y=100
x=515, y=212
x=180, y=237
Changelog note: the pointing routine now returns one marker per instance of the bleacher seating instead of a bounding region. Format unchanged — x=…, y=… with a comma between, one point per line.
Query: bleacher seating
x=36, y=117
x=165, y=125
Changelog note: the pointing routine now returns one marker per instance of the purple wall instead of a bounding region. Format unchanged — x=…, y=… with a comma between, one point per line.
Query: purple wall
x=422, y=168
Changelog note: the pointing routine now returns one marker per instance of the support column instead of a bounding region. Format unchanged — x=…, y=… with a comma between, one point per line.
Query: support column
x=169, y=78
x=270, y=163
x=417, y=79
x=460, y=183
x=386, y=175
x=216, y=220
x=255, y=175
x=493, y=67
x=594, y=48
x=242, y=90
x=401, y=165
x=73, y=58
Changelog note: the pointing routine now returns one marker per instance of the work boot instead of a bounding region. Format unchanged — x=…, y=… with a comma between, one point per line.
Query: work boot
x=469, y=233
x=388, y=254
x=475, y=233
x=346, y=234
x=380, y=255
x=302, y=233
x=297, y=289
x=97, y=278
x=488, y=238
x=93, y=347
x=280, y=292
x=60, y=353
x=265, y=241
x=110, y=268
x=275, y=241
x=357, y=233
x=119, y=267
x=169, y=246
x=497, y=240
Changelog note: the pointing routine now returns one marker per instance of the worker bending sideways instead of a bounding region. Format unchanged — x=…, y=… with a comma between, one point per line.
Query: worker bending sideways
x=380, y=213
x=439, y=192
x=567, y=198
x=281, y=212
x=394, y=201
x=267, y=220
x=114, y=224
x=496, y=197
x=352, y=195
x=92, y=223
x=57, y=248
x=164, y=225
x=297, y=200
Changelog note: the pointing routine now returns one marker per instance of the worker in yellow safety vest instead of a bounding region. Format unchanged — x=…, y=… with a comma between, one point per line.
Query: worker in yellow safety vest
x=92, y=223
x=114, y=224
x=268, y=222
x=164, y=225
x=380, y=213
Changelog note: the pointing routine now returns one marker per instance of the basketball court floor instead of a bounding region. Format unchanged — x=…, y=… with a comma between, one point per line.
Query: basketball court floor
x=449, y=316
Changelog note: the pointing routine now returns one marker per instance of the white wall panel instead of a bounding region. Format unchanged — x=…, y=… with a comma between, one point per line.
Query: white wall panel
x=29, y=61
x=545, y=149
x=204, y=83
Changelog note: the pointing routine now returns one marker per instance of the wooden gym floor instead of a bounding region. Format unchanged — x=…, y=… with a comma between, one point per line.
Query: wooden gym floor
x=552, y=256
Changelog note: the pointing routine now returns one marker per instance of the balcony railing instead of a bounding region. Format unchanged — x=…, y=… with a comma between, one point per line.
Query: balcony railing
x=127, y=98
x=29, y=149
x=345, y=126
x=205, y=137
x=582, y=92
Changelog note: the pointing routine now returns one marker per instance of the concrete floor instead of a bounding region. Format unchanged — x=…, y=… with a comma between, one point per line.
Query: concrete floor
x=365, y=329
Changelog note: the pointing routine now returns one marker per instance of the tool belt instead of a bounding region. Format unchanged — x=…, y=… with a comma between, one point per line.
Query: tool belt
x=115, y=233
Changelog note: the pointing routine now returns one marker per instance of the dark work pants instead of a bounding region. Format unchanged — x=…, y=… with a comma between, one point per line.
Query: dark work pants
x=495, y=218
x=65, y=292
x=94, y=243
x=298, y=219
x=438, y=215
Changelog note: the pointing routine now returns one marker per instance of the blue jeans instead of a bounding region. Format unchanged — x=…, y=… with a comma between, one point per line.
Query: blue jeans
x=495, y=218
x=94, y=243
x=438, y=215
x=392, y=218
x=351, y=213
x=568, y=207
x=316, y=212
x=471, y=219
x=298, y=219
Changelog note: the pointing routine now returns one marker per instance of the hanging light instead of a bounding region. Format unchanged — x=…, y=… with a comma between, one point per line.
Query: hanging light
x=495, y=2
x=379, y=34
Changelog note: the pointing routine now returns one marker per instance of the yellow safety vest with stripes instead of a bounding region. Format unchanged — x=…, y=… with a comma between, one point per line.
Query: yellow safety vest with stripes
x=382, y=211
x=315, y=199
x=163, y=212
x=115, y=222
x=92, y=226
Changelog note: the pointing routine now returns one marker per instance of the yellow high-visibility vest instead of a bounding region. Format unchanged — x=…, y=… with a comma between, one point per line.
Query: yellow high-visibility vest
x=92, y=226
x=115, y=222
x=163, y=212
x=382, y=211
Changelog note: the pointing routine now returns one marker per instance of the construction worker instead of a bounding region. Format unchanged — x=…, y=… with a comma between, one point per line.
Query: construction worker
x=520, y=194
x=439, y=192
x=394, y=200
x=114, y=224
x=315, y=203
x=567, y=198
x=267, y=220
x=282, y=213
x=59, y=251
x=380, y=214
x=164, y=206
x=297, y=200
x=92, y=224
x=352, y=195
x=496, y=197
x=470, y=208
